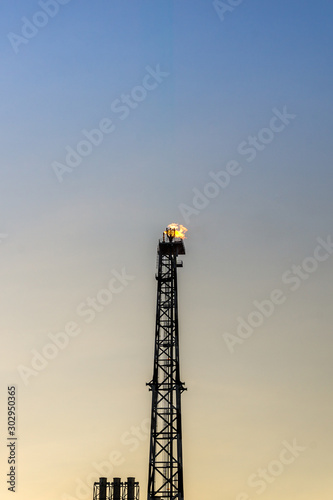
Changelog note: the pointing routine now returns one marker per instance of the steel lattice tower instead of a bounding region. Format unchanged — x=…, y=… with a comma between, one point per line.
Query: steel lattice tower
x=165, y=479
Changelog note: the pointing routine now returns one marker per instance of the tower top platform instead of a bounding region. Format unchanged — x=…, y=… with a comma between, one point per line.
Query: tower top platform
x=173, y=247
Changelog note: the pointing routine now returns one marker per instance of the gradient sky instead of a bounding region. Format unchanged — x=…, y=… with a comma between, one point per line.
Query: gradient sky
x=224, y=79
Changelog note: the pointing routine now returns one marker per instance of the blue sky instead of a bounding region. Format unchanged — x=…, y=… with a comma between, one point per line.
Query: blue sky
x=219, y=84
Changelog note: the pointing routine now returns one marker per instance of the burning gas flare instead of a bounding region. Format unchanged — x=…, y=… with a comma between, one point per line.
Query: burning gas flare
x=175, y=231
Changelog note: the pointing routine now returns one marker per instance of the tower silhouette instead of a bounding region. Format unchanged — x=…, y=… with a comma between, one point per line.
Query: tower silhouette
x=165, y=478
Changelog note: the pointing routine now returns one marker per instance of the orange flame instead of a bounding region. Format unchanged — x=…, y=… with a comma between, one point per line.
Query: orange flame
x=176, y=231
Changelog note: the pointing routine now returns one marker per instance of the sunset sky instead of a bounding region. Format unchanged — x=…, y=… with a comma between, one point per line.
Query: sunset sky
x=118, y=118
